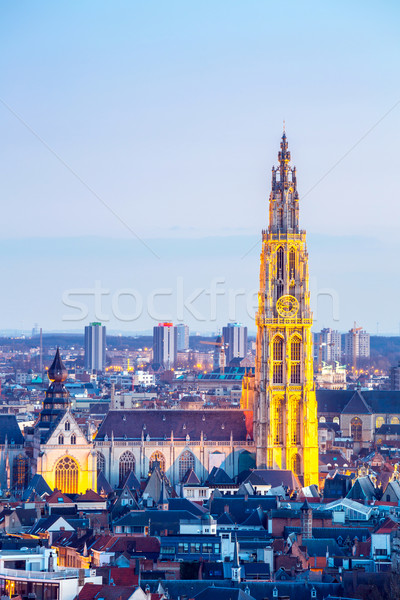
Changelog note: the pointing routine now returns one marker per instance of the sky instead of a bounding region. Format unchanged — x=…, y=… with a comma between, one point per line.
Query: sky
x=137, y=140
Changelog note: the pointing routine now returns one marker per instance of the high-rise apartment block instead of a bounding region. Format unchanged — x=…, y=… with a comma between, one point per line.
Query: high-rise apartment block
x=95, y=347
x=182, y=337
x=329, y=343
x=356, y=343
x=235, y=337
x=165, y=345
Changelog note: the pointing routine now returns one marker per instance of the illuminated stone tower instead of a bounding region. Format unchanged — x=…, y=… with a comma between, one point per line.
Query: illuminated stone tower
x=284, y=404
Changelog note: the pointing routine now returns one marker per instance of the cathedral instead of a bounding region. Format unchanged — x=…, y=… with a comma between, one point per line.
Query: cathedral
x=276, y=425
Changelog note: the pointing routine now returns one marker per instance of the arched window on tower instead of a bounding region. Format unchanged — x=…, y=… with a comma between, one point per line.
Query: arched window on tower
x=279, y=217
x=67, y=425
x=292, y=213
x=277, y=356
x=280, y=265
x=295, y=360
x=126, y=465
x=73, y=439
x=278, y=421
x=20, y=472
x=292, y=264
x=295, y=421
x=101, y=462
x=186, y=462
x=296, y=464
x=67, y=473
x=157, y=456
x=61, y=439
x=356, y=429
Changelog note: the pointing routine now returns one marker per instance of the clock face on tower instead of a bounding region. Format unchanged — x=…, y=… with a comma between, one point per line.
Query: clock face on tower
x=287, y=306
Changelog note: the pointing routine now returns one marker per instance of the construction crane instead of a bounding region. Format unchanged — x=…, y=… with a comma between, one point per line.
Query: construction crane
x=354, y=332
x=219, y=353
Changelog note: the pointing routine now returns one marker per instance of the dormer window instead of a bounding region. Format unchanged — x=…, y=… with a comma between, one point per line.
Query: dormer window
x=67, y=425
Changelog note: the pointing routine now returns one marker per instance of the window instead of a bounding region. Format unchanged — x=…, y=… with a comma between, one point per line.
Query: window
x=61, y=439
x=280, y=262
x=292, y=264
x=73, y=439
x=379, y=421
x=183, y=548
x=394, y=421
x=336, y=420
x=67, y=473
x=67, y=425
x=217, y=548
x=168, y=550
x=126, y=465
x=279, y=214
x=295, y=356
x=277, y=356
x=322, y=420
x=195, y=548
x=207, y=548
x=278, y=421
x=101, y=462
x=186, y=462
x=20, y=471
x=296, y=464
x=159, y=457
x=356, y=429
x=295, y=421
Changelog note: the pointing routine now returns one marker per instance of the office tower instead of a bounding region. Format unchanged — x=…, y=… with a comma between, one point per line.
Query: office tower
x=165, y=345
x=283, y=391
x=182, y=337
x=95, y=347
x=235, y=336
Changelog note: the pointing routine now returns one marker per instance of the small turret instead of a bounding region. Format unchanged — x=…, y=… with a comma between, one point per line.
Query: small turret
x=306, y=520
x=236, y=568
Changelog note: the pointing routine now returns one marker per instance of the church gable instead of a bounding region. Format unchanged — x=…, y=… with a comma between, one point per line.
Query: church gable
x=68, y=433
x=357, y=406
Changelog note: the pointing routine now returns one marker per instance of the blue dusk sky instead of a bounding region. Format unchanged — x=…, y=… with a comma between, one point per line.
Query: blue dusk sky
x=137, y=140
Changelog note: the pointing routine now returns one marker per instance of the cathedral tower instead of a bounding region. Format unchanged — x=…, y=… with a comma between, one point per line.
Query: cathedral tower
x=284, y=405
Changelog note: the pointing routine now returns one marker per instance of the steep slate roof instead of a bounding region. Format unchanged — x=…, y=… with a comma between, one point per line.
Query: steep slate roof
x=363, y=488
x=191, y=478
x=389, y=429
x=158, y=424
x=38, y=486
x=274, y=478
x=9, y=428
x=383, y=402
x=321, y=546
x=188, y=505
x=378, y=401
x=102, y=484
x=332, y=401
x=357, y=405
x=218, y=476
x=240, y=508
